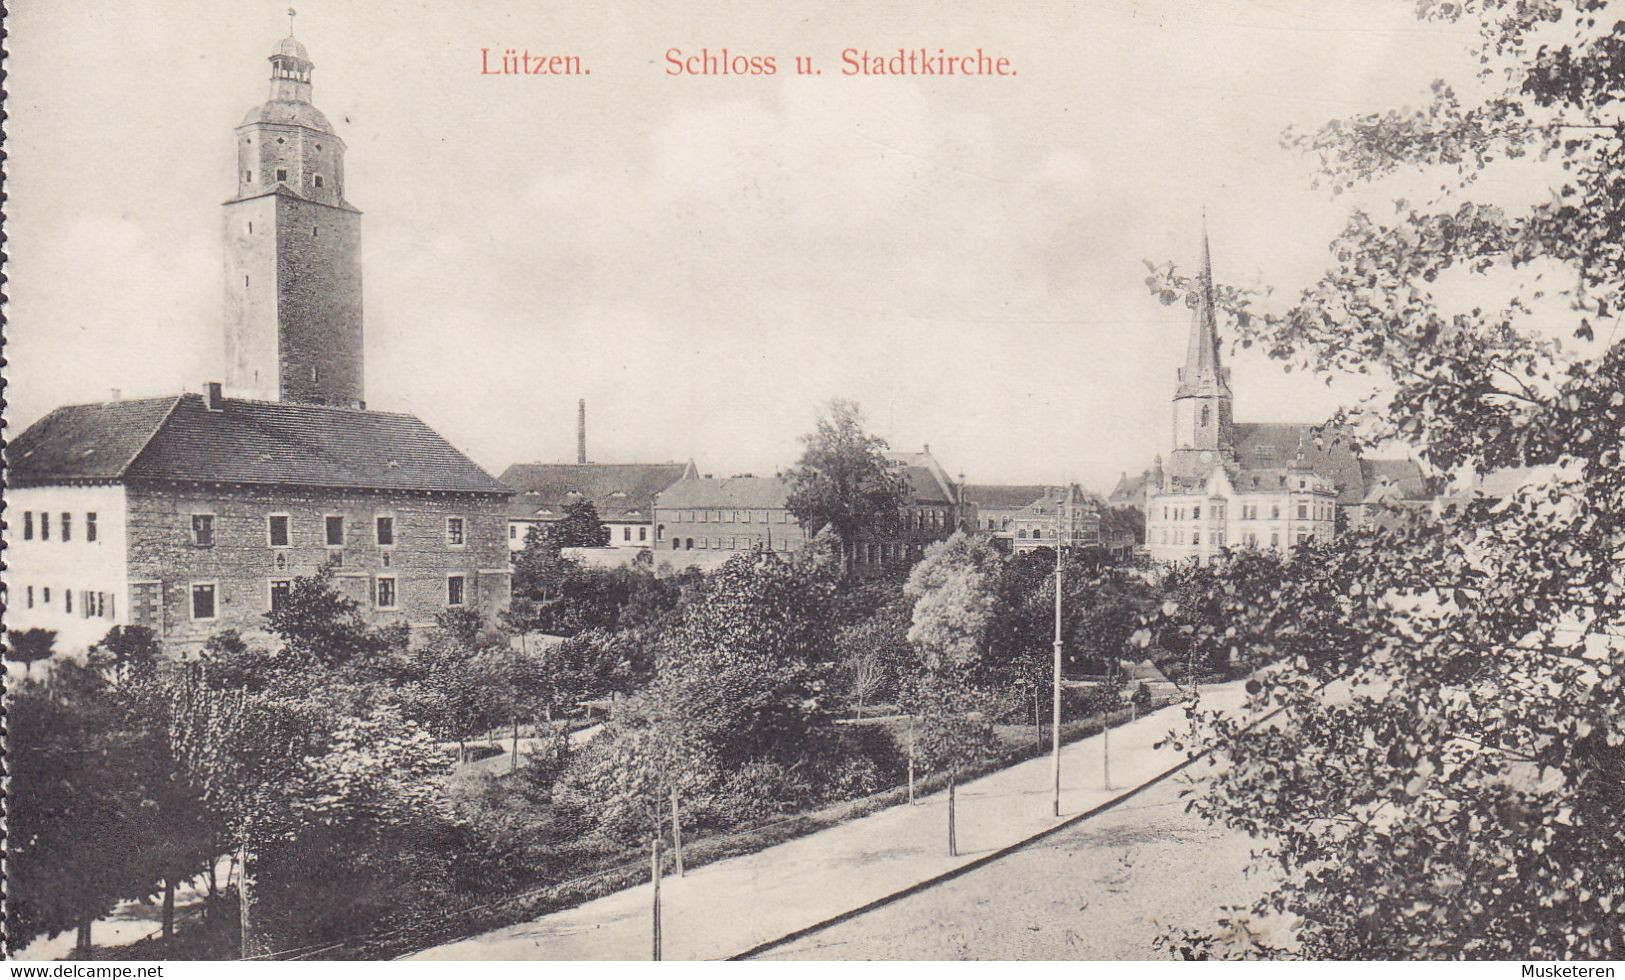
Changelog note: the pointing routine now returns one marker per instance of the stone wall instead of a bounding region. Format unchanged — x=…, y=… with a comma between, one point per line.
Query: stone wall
x=241, y=563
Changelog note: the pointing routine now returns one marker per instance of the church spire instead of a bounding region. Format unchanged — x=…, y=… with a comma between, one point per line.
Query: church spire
x=1203, y=373
x=1203, y=430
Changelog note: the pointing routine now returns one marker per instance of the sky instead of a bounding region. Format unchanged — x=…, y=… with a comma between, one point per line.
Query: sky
x=709, y=260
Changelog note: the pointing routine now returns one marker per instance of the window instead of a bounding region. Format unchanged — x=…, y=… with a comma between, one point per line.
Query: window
x=248, y=178
x=660, y=533
x=513, y=532
x=454, y=532
x=1196, y=513
x=1275, y=539
x=203, y=530
x=30, y=597
x=67, y=526
x=385, y=531
x=333, y=529
x=454, y=590
x=276, y=530
x=1207, y=415
x=67, y=600
x=1196, y=537
x=203, y=600
x=281, y=174
x=1303, y=511
x=28, y=525
x=705, y=543
x=703, y=515
x=44, y=525
x=689, y=545
x=45, y=594
x=318, y=184
x=90, y=525
x=1275, y=511
x=643, y=534
x=315, y=232
x=281, y=588
x=626, y=534
x=386, y=592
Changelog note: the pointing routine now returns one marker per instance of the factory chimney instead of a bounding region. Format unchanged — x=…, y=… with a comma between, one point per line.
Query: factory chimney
x=581, y=431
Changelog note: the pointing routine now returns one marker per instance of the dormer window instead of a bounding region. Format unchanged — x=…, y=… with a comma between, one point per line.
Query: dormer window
x=281, y=174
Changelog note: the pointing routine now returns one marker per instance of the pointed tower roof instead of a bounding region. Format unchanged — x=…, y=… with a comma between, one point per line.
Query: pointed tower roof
x=1203, y=374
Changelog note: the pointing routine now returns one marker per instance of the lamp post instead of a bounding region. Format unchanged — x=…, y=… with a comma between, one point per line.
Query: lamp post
x=1055, y=708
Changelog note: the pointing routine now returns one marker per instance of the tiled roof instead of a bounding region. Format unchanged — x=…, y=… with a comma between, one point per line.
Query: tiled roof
x=989, y=496
x=245, y=442
x=85, y=442
x=745, y=492
x=926, y=478
x=619, y=491
x=1403, y=474
x=1274, y=446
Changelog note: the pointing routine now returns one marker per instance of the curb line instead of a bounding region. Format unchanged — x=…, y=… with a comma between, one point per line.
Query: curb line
x=979, y=862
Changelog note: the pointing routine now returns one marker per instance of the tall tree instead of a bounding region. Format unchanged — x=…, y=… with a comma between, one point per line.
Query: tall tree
x=1445, y=775
x=953, y=590
x=954, y=601
x=844, y=480
x=580, y=527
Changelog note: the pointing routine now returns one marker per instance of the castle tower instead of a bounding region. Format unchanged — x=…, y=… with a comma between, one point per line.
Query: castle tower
x=1204, y=427
x=293, y=251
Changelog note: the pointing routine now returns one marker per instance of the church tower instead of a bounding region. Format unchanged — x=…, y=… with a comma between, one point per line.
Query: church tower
x=1204, y=427
x=293, y=251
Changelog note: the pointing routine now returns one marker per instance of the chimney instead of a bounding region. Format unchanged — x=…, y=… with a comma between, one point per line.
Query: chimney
x=216, y=401
x=581, y=431
x=118, y=395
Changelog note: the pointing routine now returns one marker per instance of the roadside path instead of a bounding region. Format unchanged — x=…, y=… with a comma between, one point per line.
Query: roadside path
x=1102, y=889
x=735, y=905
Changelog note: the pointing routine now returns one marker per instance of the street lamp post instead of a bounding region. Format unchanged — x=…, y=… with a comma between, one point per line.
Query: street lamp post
x=1055, y=708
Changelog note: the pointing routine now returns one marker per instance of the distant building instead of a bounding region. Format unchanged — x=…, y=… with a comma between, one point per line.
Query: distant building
x=622, y=493
x=1076, y=515
x=1266, y=485
x=191, y=514
x=996, y=507
x=703, y=521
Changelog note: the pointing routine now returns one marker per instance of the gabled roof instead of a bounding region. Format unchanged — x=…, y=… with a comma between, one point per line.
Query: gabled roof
x=1270, y=447
x=245, y=442
x=1129, y=489
x=85, y=442
x=927, y=480
x=618, y=491
x=744, y=492
x=990, y=496
x=1083, y=503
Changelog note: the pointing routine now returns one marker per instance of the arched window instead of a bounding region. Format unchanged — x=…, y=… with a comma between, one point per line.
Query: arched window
x=688, y=545
x=1207, y=415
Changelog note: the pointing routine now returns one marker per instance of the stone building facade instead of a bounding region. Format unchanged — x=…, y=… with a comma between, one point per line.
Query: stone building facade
x=191, y=514
x=702, y=521
x=191, y=519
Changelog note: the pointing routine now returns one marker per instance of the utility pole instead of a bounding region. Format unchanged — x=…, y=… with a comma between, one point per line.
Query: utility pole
x=1055, y=707
x=654, y=876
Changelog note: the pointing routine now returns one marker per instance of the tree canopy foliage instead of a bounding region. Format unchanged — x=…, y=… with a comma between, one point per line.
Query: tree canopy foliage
x=844, y=480
x=1445, y=775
